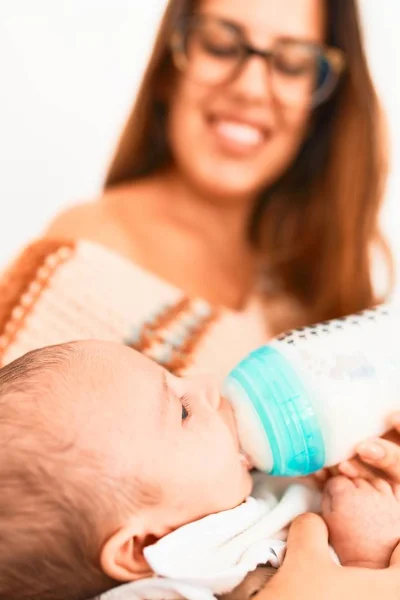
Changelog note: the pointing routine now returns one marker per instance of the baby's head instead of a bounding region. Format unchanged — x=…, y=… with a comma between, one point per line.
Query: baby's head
x=102, y=453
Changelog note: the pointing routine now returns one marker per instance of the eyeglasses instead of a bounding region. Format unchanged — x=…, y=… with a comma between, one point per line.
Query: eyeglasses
x=213, y=52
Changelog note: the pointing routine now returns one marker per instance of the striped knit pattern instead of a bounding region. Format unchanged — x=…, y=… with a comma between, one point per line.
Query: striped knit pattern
x=60, y=291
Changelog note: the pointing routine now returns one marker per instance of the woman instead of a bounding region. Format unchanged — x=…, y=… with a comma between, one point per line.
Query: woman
x=249, y=175
x=251, y=168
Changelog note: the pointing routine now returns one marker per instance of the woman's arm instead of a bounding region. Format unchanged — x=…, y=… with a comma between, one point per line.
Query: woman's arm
x=310, y=573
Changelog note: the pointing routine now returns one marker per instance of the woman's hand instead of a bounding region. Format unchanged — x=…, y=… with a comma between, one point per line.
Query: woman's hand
x=310, y=573
x=377, y=455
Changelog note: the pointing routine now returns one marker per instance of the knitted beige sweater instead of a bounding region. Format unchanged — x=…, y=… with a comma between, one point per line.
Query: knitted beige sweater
x=59, y=291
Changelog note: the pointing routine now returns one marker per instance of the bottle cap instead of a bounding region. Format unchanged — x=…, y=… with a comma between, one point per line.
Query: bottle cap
x=276, y=422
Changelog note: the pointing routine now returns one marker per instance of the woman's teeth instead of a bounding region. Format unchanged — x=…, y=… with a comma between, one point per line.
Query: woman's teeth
x=239, y=133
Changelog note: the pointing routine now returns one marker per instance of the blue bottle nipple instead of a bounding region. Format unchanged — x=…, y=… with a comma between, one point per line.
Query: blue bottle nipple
x=276, y=420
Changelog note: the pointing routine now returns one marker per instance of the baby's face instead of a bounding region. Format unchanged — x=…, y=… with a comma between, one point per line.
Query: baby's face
x=150, y=425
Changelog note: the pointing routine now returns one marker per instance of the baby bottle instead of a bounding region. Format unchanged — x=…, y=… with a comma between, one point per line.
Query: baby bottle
x=305, y=400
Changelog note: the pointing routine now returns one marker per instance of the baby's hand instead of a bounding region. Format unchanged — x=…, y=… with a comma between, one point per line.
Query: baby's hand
x=363, y=519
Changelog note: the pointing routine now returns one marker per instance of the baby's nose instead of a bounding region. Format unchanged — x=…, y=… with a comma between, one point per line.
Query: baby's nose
x=208, y=389
x=212, y=392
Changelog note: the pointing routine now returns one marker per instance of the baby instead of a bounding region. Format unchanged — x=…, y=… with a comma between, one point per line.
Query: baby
x=103, y=452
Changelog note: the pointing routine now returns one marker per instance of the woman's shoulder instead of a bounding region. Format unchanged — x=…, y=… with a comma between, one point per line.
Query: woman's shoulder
x=59, y=290
x=101, y=220
x=74, y=220
x=88, y=220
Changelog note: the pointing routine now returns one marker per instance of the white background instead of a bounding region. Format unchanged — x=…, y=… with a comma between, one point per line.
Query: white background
x=69, y=70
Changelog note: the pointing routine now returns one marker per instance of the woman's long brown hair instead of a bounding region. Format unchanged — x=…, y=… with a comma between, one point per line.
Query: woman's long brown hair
x=318, y=224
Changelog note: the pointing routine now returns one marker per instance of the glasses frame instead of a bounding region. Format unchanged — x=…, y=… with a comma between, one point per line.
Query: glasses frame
x=334, y=56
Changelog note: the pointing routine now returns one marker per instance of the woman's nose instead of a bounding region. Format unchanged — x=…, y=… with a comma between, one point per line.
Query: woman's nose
x=254, y=82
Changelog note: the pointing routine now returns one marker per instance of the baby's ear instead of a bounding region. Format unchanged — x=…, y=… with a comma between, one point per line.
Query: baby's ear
x=122, y=557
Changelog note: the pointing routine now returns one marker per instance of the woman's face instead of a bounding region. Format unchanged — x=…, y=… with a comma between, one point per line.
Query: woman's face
x=232, y=139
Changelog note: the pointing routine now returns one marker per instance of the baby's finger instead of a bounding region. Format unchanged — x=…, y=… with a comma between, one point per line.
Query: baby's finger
x=316, y=480
x=355, y=468
x=382, y=455
x=349, y=468
x=381, y=485
x=321, y=476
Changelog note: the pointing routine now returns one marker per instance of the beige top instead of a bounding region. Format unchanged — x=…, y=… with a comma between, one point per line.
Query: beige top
x=60, y=291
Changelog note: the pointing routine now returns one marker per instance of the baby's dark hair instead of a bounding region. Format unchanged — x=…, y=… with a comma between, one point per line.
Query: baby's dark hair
x=56, y=503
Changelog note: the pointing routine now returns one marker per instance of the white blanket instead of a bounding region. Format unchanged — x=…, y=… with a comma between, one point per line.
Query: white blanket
x=213, y=555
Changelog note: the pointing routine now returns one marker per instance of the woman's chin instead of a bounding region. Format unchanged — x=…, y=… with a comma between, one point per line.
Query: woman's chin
x=229, y=186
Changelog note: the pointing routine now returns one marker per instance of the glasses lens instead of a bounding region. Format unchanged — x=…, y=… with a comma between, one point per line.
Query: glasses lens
x=302, y=74
x=212, y=51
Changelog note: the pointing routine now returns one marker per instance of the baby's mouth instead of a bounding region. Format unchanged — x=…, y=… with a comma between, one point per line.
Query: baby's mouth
x=244, y=459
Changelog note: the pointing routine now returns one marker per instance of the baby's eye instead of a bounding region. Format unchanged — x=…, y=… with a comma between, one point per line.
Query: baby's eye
x=185, y=407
